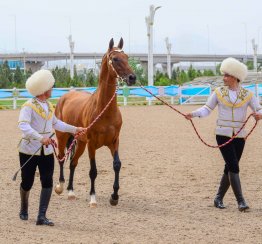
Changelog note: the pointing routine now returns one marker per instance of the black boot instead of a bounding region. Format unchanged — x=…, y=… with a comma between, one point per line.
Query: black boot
x=223, y=187
x=43, y=205
x=24, y=204
x=236, y=186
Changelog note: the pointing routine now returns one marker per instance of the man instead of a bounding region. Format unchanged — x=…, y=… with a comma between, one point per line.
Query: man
x=36, y=121
x=233, y=101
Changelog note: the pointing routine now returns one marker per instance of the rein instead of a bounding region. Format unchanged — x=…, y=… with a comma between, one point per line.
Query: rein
x=69, y=150
x=194, y=127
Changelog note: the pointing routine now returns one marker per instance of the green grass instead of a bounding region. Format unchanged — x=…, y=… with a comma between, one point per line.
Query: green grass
x=133, y=101
x=9, y=103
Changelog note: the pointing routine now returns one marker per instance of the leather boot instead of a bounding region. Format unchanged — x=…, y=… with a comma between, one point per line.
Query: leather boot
x=43, y=205
x=236, y=186
x=223, y=187
x=24, y=204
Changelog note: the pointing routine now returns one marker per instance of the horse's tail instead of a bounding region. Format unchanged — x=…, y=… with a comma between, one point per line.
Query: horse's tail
x=69, y=142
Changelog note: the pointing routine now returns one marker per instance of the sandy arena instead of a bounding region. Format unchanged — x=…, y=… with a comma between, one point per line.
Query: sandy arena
x=168, y=182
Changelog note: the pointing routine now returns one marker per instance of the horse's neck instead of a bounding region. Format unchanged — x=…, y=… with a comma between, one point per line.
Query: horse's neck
x=106, y=89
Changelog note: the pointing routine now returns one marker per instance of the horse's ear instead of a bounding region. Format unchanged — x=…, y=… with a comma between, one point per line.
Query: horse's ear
x=111, y=44
x=121, y=43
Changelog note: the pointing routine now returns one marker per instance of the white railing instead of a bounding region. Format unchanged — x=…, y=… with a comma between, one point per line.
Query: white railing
x=133, y=95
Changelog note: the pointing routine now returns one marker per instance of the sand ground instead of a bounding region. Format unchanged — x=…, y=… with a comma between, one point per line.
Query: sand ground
x=167, y=185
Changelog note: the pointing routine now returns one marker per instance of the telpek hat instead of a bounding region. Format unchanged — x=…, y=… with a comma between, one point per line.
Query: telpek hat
x=40, y=82
x=234, y=68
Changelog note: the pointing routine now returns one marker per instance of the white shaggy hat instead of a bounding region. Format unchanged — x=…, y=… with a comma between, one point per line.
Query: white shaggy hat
x=235, y=68
x=40, y=82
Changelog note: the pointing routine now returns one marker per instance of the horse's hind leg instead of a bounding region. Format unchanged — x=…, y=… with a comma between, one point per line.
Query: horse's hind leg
x=62, y=139
x=92, y=175
x=80, y=148
x=117, y=166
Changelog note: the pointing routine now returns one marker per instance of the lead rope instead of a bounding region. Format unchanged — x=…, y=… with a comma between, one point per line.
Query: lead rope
x=200, y=138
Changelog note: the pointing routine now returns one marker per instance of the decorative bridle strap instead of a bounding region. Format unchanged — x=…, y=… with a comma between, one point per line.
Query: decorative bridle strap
x=116, y=50
x=110, y=63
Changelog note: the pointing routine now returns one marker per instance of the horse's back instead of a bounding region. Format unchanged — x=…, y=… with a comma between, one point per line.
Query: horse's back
x=71, y=105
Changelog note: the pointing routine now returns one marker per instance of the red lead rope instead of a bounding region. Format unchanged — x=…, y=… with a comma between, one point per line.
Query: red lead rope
x=217, y=146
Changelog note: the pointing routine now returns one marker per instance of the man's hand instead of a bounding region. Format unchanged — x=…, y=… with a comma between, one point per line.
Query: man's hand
x=46, y=141
x=189, y=116
x=257, y=116
x=80, y=131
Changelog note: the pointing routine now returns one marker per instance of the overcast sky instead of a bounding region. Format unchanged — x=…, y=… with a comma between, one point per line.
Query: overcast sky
x=192, y=26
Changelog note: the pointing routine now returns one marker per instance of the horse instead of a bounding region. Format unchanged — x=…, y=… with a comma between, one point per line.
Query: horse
x=80, y=109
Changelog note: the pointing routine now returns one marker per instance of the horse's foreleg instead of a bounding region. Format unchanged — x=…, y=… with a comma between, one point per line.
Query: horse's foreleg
x=80, y=148
x=62, y=140
x=60, y=186
x=117, y=166
x=70, y=188
x=92, y=175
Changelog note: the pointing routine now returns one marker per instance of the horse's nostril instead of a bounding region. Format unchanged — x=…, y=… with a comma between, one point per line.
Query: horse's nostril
x=132, y=77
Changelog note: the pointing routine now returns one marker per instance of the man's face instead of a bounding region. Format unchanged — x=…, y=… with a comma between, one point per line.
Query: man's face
x=48, y=93
x=229, y=80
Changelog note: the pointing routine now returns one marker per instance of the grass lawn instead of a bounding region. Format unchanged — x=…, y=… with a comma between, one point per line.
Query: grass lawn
x=8, y=104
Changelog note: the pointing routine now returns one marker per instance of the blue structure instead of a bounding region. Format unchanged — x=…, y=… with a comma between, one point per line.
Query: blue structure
x=185, y=93
x=13, y=64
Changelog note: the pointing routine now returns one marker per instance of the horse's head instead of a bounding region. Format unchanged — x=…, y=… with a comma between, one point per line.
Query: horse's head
x=118, y=63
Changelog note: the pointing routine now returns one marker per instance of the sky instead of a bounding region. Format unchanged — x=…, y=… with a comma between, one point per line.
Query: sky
x=192, y=26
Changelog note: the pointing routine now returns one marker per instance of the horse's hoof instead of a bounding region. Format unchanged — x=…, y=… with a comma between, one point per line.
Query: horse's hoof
x=113, y=202
x=92, y=204
x=71, y=195
x=58, y=189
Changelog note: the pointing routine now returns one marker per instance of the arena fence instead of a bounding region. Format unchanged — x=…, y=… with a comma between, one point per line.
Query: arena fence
x=133, y=95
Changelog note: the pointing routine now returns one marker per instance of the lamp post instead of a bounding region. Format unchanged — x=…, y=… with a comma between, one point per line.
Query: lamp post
x=15, y=39
x=149, y=23
x=245, y=25
x=71, y=45
x=168, y=47
x=258, y=40
x=254, y=45
x=208, y=40
x=24, y=60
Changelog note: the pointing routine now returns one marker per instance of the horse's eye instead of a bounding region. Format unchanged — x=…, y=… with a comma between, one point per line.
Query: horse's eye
x=115, y=59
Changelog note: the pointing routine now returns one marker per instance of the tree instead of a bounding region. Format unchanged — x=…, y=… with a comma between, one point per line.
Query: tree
x=6, y=76
x=250, y=65
x=208, y=72
x=183, y=77
x=138, y=70
x=174, y=75
x=18, y=78
x=199, y=73
x=163, y=81
x=62, y=77
x=91, y=78
x=192, y=74
x=218, y=69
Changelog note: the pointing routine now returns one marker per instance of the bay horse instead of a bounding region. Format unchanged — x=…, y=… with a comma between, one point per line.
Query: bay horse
x=80, y=109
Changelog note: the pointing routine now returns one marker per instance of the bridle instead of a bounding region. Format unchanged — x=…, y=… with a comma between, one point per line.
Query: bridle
x=110, y=64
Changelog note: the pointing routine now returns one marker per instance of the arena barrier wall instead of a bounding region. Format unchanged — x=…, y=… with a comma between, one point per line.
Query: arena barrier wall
x=180, y=94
